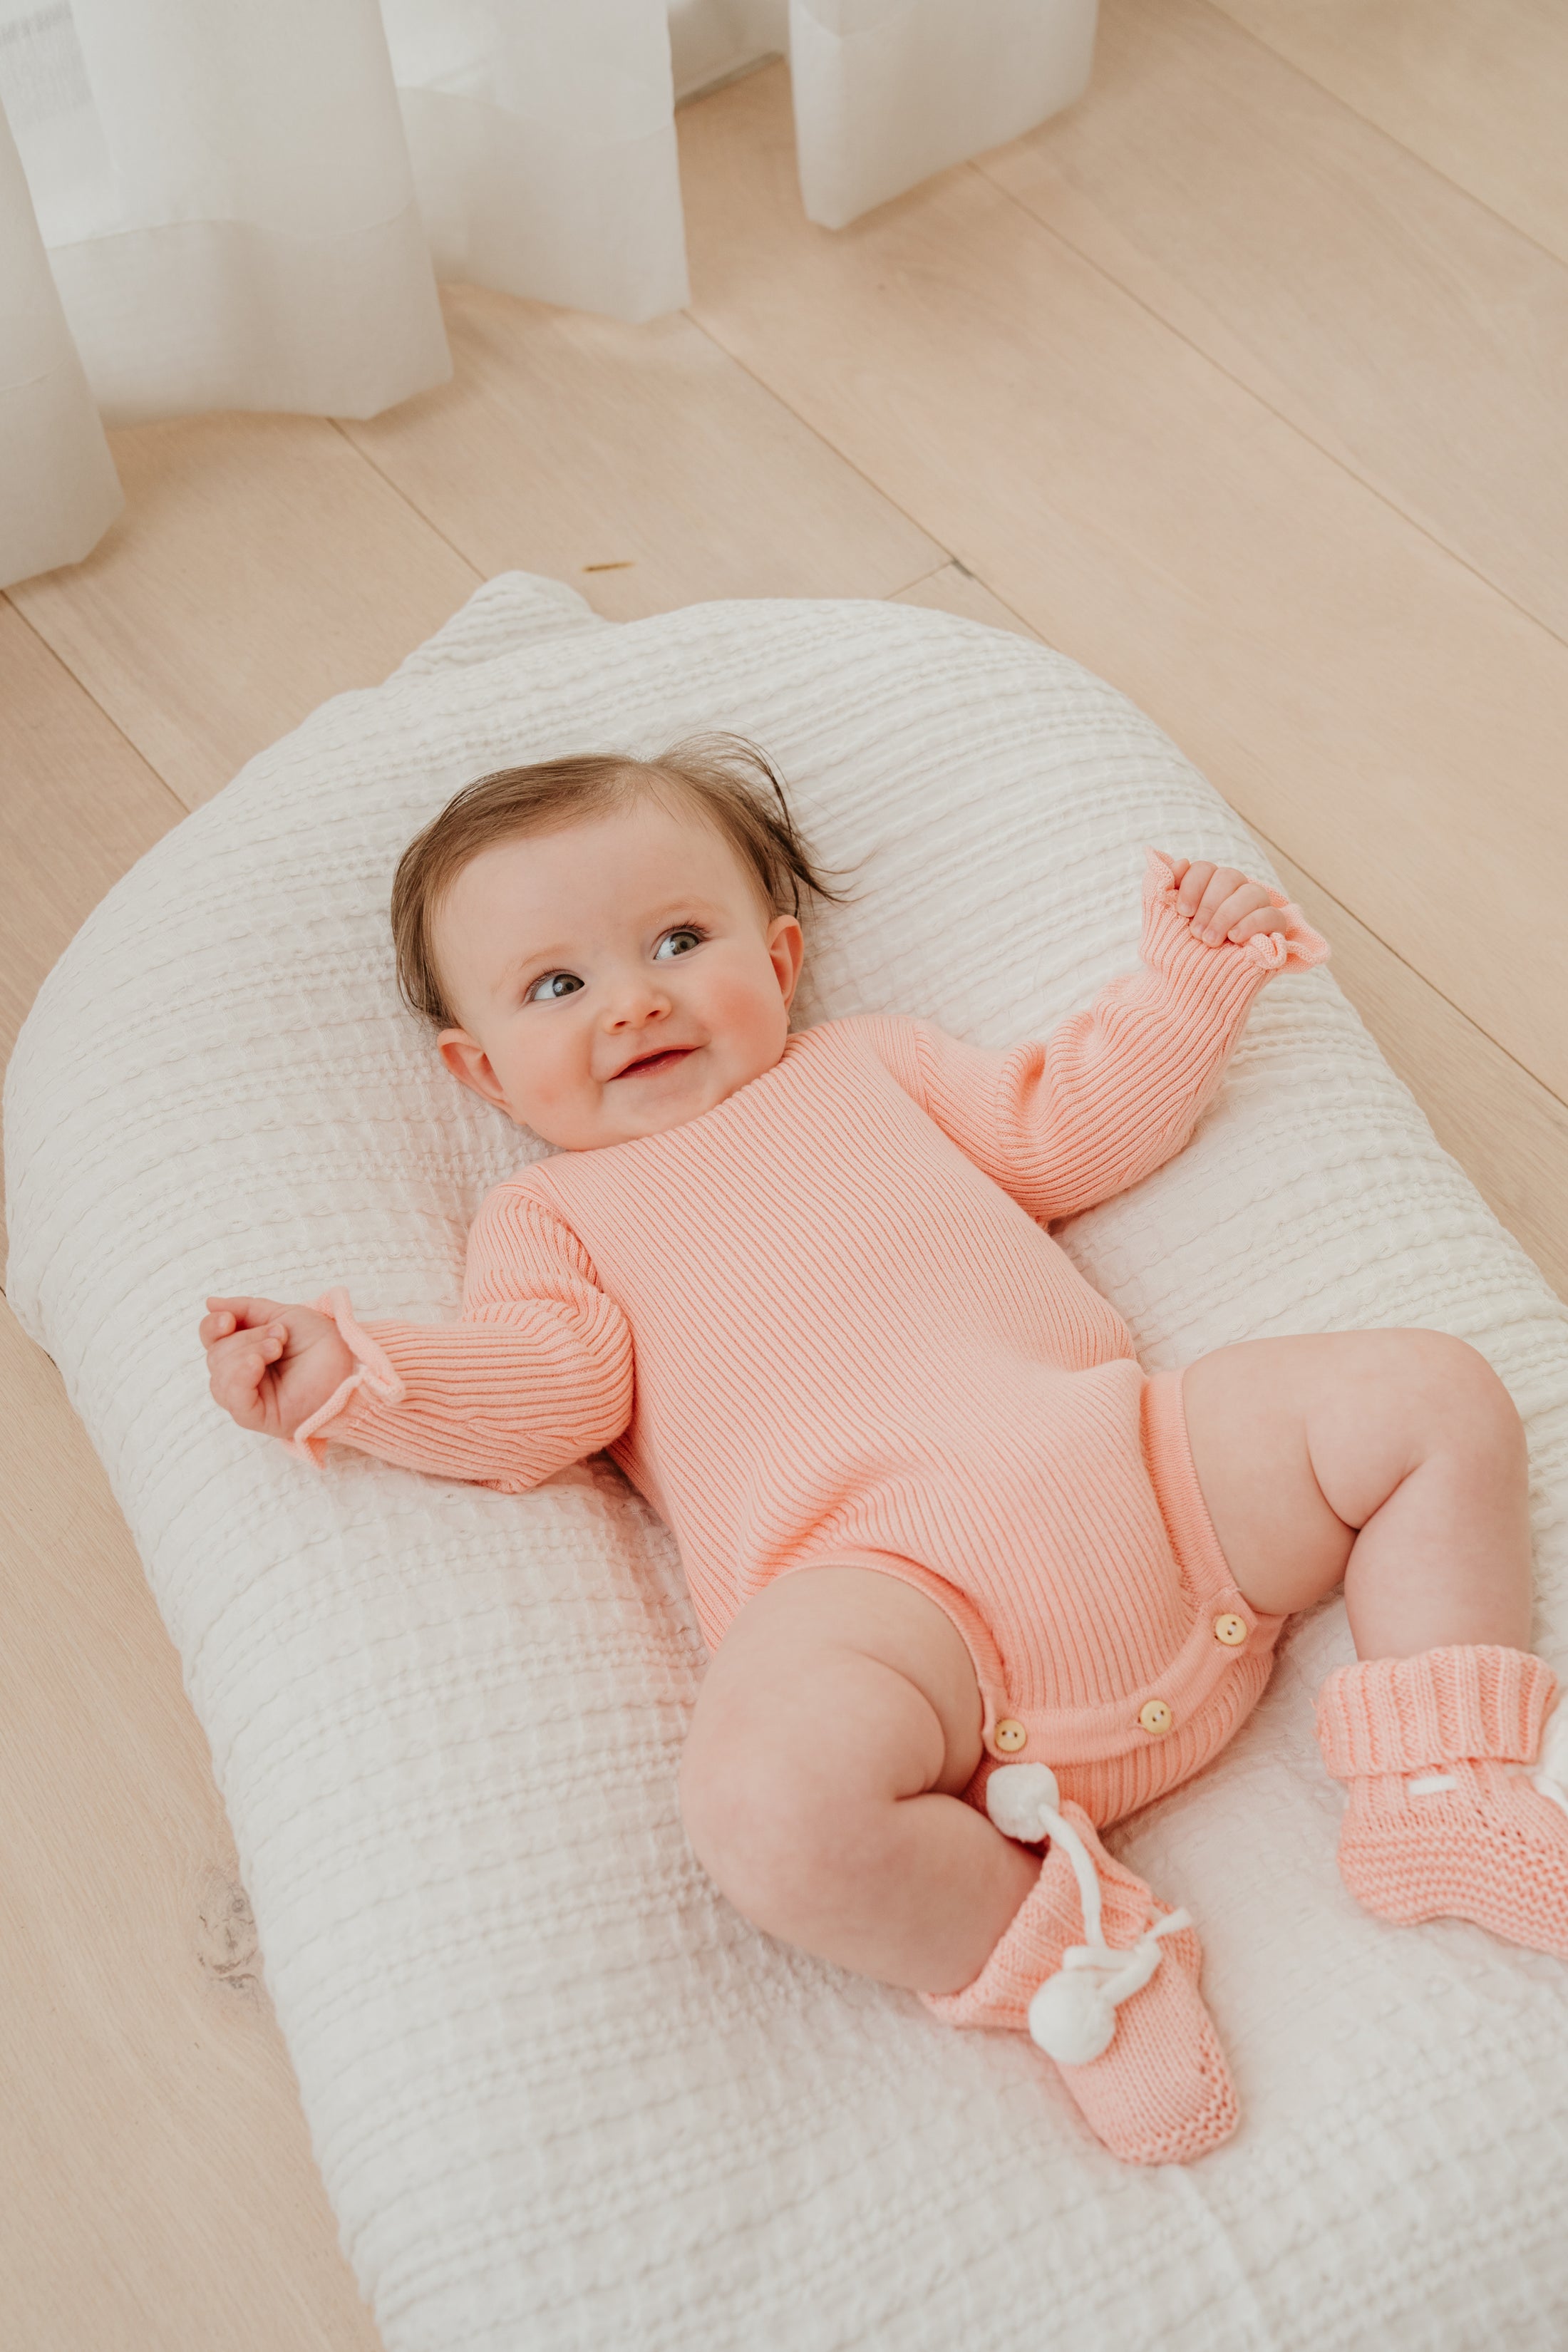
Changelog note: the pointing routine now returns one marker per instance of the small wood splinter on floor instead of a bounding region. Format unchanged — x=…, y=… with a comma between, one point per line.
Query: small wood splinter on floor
x=624, y=564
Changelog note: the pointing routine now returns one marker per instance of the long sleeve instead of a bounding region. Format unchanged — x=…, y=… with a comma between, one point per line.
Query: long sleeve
x=1116, y=1090
x=537, y=1374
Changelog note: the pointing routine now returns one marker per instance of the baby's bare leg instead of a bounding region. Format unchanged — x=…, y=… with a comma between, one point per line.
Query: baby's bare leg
x=1393, y=1459
x=819, y=1782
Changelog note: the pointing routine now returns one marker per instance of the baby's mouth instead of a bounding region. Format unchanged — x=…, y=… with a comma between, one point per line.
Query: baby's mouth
x=653, y=1065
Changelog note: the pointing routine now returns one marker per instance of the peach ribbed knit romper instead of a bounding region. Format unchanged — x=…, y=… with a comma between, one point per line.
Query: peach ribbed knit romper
x=824, y=1323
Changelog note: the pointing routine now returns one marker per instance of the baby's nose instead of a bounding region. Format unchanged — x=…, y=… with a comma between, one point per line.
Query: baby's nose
x=636, y=1003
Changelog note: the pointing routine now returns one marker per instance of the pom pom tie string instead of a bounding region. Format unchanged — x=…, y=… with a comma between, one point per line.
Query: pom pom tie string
x=1072, y=2016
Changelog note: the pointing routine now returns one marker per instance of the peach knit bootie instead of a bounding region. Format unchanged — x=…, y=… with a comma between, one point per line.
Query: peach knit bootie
x=1459, y=1808
x=1105, y=1979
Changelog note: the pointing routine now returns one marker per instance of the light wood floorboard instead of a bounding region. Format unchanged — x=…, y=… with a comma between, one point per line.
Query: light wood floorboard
x=1226, y=382
x=1394, y=321
x=78, y=809
x=953, y=590
x=1356, y=692
x=1474, y=86
x=259, y=567
x=567, y=442
x=157, y=2192
x=1507, y=1132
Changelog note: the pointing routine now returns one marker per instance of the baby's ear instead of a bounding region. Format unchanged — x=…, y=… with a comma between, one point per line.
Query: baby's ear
x=470, y=1066
x=786, y=950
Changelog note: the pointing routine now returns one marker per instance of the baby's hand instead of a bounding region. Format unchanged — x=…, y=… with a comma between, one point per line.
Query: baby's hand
x=272, y=1367
x=1221, y=904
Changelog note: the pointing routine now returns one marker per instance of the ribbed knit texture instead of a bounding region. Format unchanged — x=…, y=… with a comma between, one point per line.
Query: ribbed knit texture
x=1415, y=1715
x=1492, y=1849
x=1160, y=2094
x=853, y=1340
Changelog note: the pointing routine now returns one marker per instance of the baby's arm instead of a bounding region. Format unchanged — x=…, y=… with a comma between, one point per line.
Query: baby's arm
x=1117, y=1091
x=536, y=1375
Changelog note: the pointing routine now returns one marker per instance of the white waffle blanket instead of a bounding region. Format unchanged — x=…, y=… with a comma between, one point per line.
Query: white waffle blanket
x=561, y=2094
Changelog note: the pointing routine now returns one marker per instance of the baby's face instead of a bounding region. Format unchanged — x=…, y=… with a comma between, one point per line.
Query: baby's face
x=613, y=979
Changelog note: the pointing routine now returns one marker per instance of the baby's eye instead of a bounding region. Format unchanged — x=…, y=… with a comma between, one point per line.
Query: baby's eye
x=679, y=941
x=551, y=984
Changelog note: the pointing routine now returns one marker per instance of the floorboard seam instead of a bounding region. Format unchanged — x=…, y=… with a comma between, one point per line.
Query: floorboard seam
x=1352, y=473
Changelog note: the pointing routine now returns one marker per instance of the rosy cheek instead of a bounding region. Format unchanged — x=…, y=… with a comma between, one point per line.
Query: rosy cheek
x=538, y=1075
x=745, y=1010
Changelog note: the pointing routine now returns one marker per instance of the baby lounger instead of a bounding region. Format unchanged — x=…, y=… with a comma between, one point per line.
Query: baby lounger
x=561, y=2094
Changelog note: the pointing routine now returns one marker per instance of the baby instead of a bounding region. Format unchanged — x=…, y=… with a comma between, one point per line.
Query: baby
x=975, y=1586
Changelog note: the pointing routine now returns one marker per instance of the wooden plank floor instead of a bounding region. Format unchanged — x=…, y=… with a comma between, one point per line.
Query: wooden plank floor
x=1241, y=383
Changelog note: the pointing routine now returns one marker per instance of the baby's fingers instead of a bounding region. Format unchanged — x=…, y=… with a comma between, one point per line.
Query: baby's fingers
x=236, y=1371
x=247, y=1314
x=1224, y=883
x=1220, y=923
x=1267, y=918
x=1194, y=881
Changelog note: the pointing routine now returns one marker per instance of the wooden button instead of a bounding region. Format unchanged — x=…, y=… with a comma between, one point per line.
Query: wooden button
x=1231, y=1630
x=1155, y=1717
x=1010, y=1736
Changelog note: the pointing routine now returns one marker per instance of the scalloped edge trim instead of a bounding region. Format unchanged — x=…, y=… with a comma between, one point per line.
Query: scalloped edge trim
x=374, y=1369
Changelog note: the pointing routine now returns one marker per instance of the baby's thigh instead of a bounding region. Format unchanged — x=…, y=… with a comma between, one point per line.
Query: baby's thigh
x=834, y=1689
x=1258, y=1415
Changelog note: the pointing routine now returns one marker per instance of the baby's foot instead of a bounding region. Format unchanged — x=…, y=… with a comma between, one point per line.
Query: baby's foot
x=1121, y=1988
x=1475, y=1841
x=1453, y=1812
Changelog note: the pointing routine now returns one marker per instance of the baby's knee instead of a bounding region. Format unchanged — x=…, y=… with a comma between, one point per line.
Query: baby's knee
x=1466, y=1405
x=780, y=1843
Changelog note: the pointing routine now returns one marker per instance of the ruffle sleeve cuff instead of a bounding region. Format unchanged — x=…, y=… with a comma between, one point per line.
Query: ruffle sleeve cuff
x=373, y=1372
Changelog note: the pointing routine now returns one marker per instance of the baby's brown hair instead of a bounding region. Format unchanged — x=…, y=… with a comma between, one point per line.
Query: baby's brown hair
x=728, y=778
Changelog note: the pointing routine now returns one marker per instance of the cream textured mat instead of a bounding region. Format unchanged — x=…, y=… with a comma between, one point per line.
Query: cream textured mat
x=562, y=2096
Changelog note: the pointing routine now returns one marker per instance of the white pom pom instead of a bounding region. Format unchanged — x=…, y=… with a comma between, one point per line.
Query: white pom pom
x=1072, y=2016
x=1017, y=1795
